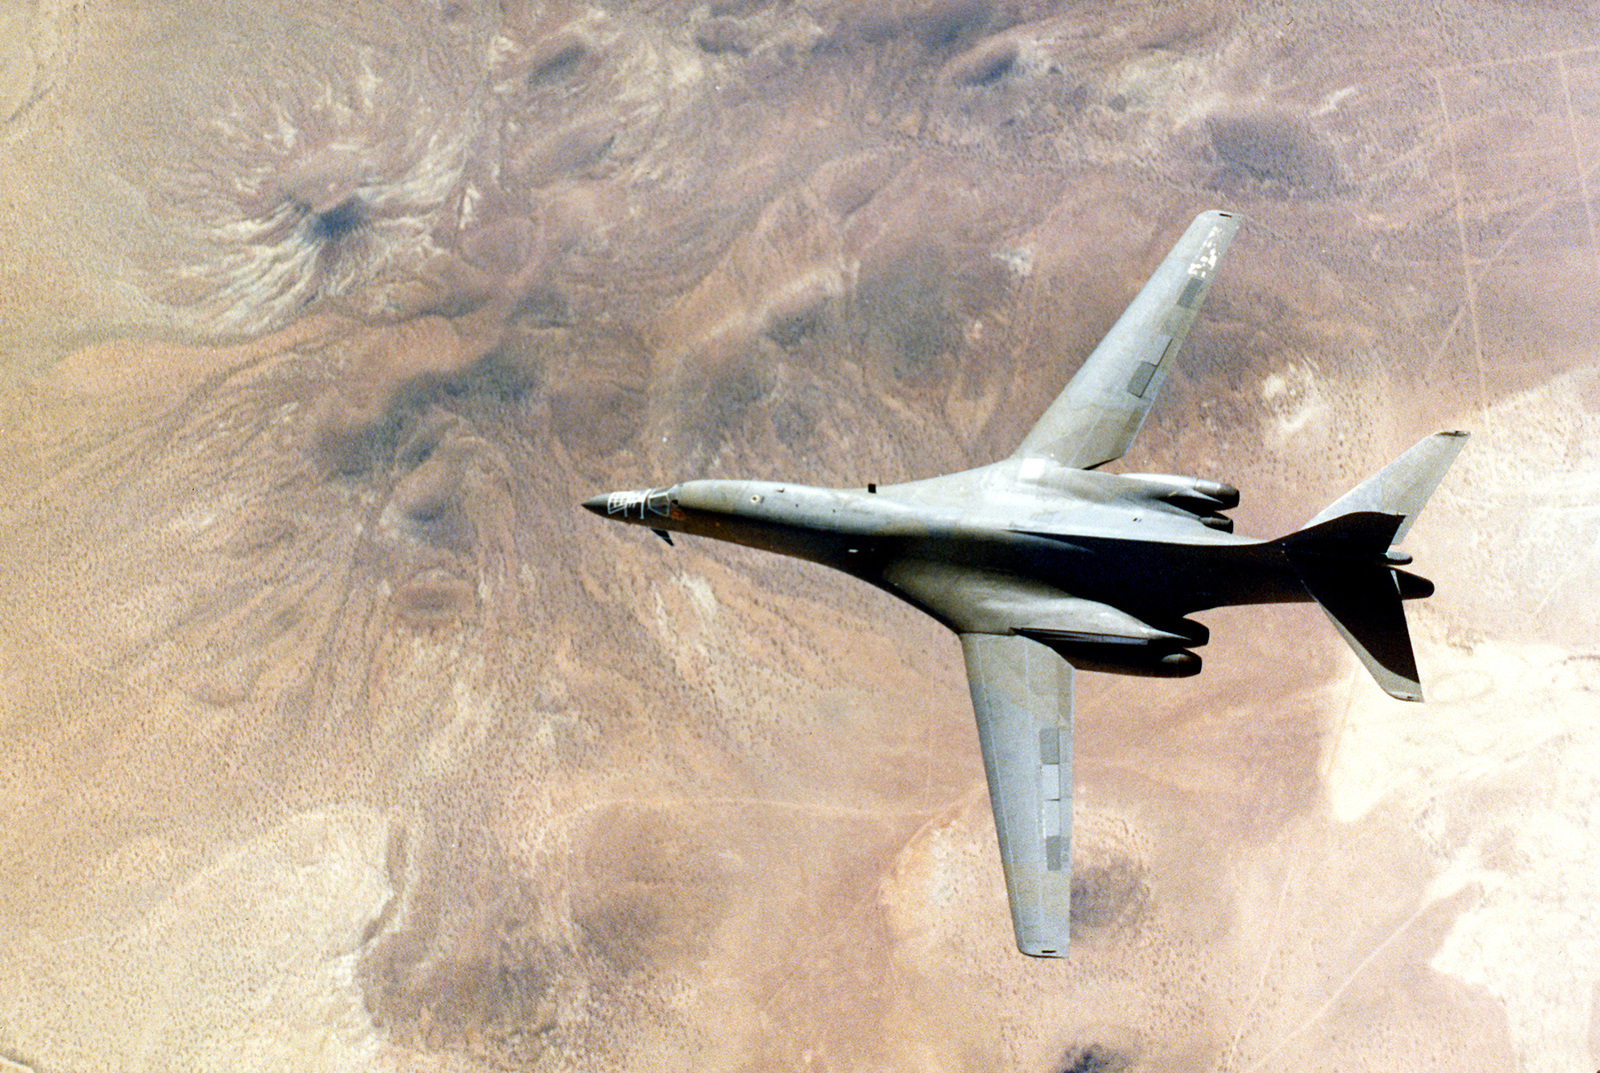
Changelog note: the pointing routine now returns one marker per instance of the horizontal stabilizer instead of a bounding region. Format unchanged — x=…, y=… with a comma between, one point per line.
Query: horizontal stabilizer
x=1343, y=564
x=1363, y=603
x=1359, y=534
x=1404, y=485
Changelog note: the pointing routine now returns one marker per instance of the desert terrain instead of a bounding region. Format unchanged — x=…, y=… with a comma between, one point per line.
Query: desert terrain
x=336, y=736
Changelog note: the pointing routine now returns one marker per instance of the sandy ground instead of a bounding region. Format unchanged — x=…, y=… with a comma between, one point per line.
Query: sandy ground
x=335, y=736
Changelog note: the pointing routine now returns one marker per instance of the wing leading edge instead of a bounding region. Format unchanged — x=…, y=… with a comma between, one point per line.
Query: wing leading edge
x=1098, y=414
x=1022, y=697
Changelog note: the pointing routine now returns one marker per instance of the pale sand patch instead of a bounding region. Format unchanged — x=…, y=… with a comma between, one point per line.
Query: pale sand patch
x=247, y=965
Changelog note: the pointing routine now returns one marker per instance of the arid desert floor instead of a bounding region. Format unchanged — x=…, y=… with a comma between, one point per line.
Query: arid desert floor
x=336, y=736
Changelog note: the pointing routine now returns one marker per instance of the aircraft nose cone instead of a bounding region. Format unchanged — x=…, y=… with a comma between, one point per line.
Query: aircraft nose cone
x=597, y=504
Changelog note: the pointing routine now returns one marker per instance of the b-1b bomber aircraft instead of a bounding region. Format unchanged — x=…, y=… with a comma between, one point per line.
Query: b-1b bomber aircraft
x=1043, y=563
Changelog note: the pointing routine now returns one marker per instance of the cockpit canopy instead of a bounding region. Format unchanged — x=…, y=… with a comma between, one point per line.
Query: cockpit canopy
x=645, y=503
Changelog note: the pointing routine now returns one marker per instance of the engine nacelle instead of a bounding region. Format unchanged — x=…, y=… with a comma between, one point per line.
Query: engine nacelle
x=1411, y=586
x=1190, y=493
x=1142, y=661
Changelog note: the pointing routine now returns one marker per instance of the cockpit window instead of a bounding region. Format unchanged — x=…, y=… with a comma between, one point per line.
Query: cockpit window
x=656, y=501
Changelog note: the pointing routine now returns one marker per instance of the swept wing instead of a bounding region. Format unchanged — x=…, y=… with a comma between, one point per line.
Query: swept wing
x=1022, y=696
x=1021, y=690
x=1096, y=417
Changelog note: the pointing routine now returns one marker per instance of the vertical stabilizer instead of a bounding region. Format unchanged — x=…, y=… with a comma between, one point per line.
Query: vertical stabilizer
x=1403, y=486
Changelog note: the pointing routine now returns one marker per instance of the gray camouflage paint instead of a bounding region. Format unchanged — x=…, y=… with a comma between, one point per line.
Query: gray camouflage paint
x=1042, y=564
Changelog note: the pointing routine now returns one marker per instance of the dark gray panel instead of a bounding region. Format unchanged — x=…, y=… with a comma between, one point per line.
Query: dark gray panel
x=1191, y=291
x=1141, y=379
x=1050, y=746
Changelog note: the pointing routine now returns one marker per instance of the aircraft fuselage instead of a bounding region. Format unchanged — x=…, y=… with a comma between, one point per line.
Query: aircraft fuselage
x=1134, y=542
x=1043, y=564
